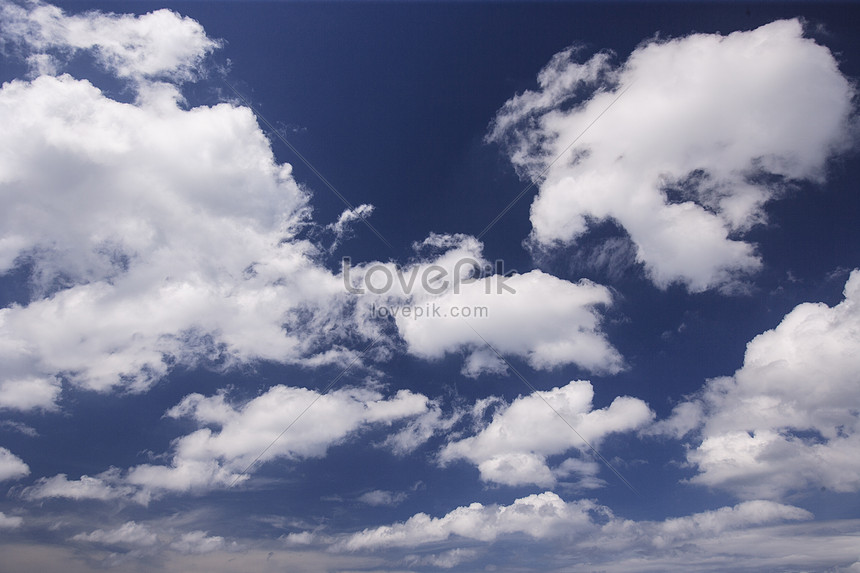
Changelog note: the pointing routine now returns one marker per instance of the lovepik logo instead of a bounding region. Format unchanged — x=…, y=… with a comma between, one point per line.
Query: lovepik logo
x=433, y=279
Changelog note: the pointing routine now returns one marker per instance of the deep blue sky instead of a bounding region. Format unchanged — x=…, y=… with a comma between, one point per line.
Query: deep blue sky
x=391, y=102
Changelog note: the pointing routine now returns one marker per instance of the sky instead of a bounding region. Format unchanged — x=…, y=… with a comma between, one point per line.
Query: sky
x=413, y=286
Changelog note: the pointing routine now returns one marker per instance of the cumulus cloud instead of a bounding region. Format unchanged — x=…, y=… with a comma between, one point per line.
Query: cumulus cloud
x=583, y=535
x=579, y=526
x=708, y=130
x=197, y=543
x=10, y=521
x=29, y=392
x=105, y=486
x=538, y=516
x=207, y=458
x=158, y=44
x=452, y=300
x=153, y=235
x=233, y=435
x=514, y=447
x=128, y=534
x=788, y=419
x=11, y=466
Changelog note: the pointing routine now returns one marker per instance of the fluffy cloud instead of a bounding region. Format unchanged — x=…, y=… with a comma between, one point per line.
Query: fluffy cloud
x=715, y=522
x=10, y=521
x=129, y=534
x=142, y=539
x=616, y=546
x=452, y=300
x=11, y=466
x=687, y=158
x=788, y=419
x=103, y=487
x=197, y=543
x=581, y=526
x=282, y=423
x=153, y=234
x=158, y=44
x=207, y=458
x=29, y=392
x=539, y=516
x=582, y=535
x=513, y=448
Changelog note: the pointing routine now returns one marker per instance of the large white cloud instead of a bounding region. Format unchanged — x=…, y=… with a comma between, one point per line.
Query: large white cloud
x=583, y=535
x=788, y=419
x=549, y=533
x=539, y=516
x=453, y=300
x=513, y=448
x=154, y=234
x=682, y=161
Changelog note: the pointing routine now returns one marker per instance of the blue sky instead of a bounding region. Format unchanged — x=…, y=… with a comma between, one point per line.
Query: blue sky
x=659, y=366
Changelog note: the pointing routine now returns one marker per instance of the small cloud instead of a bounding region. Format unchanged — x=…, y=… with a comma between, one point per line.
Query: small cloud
x=197, y=543
x=130, y=534
x=10, y=521
x=11, y=466
x=379, y=497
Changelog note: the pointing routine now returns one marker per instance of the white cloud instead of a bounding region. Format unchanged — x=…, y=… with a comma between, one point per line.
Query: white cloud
x=581, y=526
x=681, y=161
x=545, y=532
x=457, y=303
x=145, y=539
x=19, y=427
x=379, y=497
x=343, y=226
x=10, y=521
x=538, y=516
x=421, y=428
x=157, y=44
x=11, y=466
x=197, y=543
x=158, y=236
x=787, y=420
x=444, y=560
x=210, y=458
x=129, y=534
x=513, y=448
x=29, y=392
x=104, y=486
x=582, y=535
x=715, y=522
x=206, y=458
